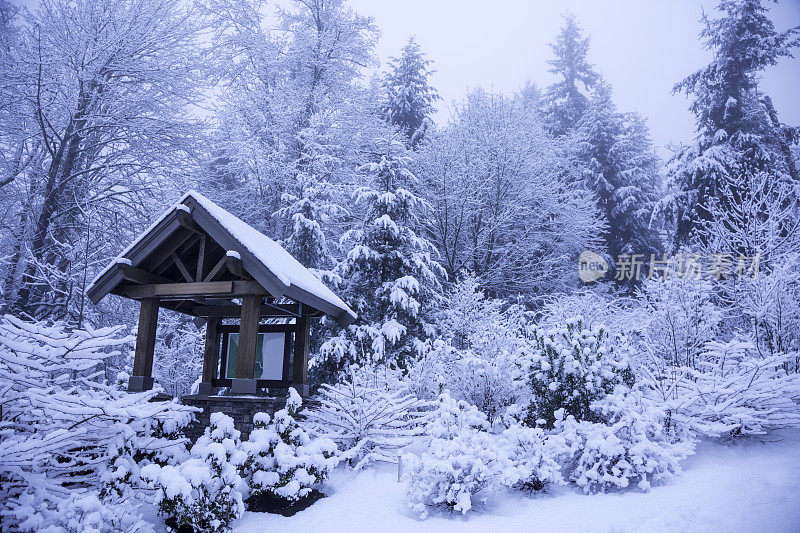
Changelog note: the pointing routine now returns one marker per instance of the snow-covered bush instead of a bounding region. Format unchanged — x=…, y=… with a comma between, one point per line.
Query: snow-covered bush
x=678, y=316
x=732, y=391
x=571, y=367
x=454, y=471
x=534, y=456
x=368, y=423
x=454, y=417
x=282, y=460
x=203, y=492
x=79, y=512
x=141, y=442
x=464, y=459
x=59, y=417
x=629, y=445
x=477, y=357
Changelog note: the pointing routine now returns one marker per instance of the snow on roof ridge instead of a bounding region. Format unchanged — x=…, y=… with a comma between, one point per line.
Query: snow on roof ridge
x=280, y=262
x=270, y=253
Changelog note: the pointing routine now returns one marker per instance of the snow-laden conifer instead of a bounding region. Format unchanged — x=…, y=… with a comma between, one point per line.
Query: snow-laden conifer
x=282, y=460
x=203, y=492
x=390, y=274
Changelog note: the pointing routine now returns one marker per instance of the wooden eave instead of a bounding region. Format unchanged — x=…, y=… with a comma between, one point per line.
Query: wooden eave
x=180, y=230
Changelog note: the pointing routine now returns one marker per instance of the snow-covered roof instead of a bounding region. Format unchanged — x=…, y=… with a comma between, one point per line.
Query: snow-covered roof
x=264, y=259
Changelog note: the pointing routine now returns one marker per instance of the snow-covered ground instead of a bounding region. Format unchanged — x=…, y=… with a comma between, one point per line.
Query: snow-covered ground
x=739, y=488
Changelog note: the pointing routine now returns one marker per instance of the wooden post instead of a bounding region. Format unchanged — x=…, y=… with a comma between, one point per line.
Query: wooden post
x=142, y=378
x=300, y=363
x=210, y=355
x=244, y=383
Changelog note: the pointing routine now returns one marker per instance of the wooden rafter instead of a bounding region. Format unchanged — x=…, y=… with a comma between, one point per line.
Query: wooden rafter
x=201, y=257
x=184, y=271
x=214, y=271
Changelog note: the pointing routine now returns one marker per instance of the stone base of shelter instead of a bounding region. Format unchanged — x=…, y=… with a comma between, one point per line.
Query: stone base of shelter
x=240, y=408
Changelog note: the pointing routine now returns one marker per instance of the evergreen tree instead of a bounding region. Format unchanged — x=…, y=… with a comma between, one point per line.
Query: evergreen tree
x=389, y=272
x=739, y=132
x=621, y=169
x=310, y=203
x=409, y=96
x=564, y=101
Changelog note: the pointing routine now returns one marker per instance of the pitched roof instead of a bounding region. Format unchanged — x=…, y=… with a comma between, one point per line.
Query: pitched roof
x=264, y=259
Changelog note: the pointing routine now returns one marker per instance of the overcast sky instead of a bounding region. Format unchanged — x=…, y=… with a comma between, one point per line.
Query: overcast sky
x=643, y=47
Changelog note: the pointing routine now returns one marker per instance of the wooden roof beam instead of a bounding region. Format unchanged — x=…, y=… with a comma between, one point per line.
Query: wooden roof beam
x=192, y=290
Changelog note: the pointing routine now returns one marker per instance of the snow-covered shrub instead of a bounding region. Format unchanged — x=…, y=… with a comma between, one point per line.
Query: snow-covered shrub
x=464, y=459
x=59, y=416
x=478, y=355
x=282, y=460
x=203, y=492
x=454, y=417
x=368, y=423
x=678, y=316
x=732, y=391
x=628, y=445
x=79, y=512
x=454, y=471
x=594, y=308
x=141, y=442
x=571, y=367
x=534, y=457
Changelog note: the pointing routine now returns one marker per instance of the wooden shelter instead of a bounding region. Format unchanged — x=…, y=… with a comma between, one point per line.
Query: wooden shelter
x=200, y=260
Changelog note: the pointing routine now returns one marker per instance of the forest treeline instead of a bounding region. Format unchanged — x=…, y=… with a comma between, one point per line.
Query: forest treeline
x=109, y=111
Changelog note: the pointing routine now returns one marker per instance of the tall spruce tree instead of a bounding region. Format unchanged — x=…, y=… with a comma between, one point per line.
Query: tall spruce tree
x=739, y=133
x=564, y=103
x=621, y=169
x=389, y=273
x=409, y=95
x=310, y=203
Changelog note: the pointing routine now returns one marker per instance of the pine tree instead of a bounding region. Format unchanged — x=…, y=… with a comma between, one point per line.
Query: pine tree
x=409, y=96
x=739, y=132
x=389, y=271
x=621, y=169
x=564, y=101
x=310, y=203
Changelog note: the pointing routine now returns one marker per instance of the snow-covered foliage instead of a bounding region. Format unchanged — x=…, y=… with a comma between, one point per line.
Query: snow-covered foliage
x=409, y=95
x=565, y=100
x=204, y=491
x=571, y=367
x=79, y=512
x=282, y=460
x=622, y=171
x=454, y=417
x=534, y=455
x=154, y=440
x=367, y=422
x=463, y=459
x=62, y=426
x=479, y=354
x=627, y=446
x=505, y=206
x=390, y=275
x=733, y=391
x=740, y=139
x=178, y=353
x=120, y=137
x=677, y=318
x=452, y=472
